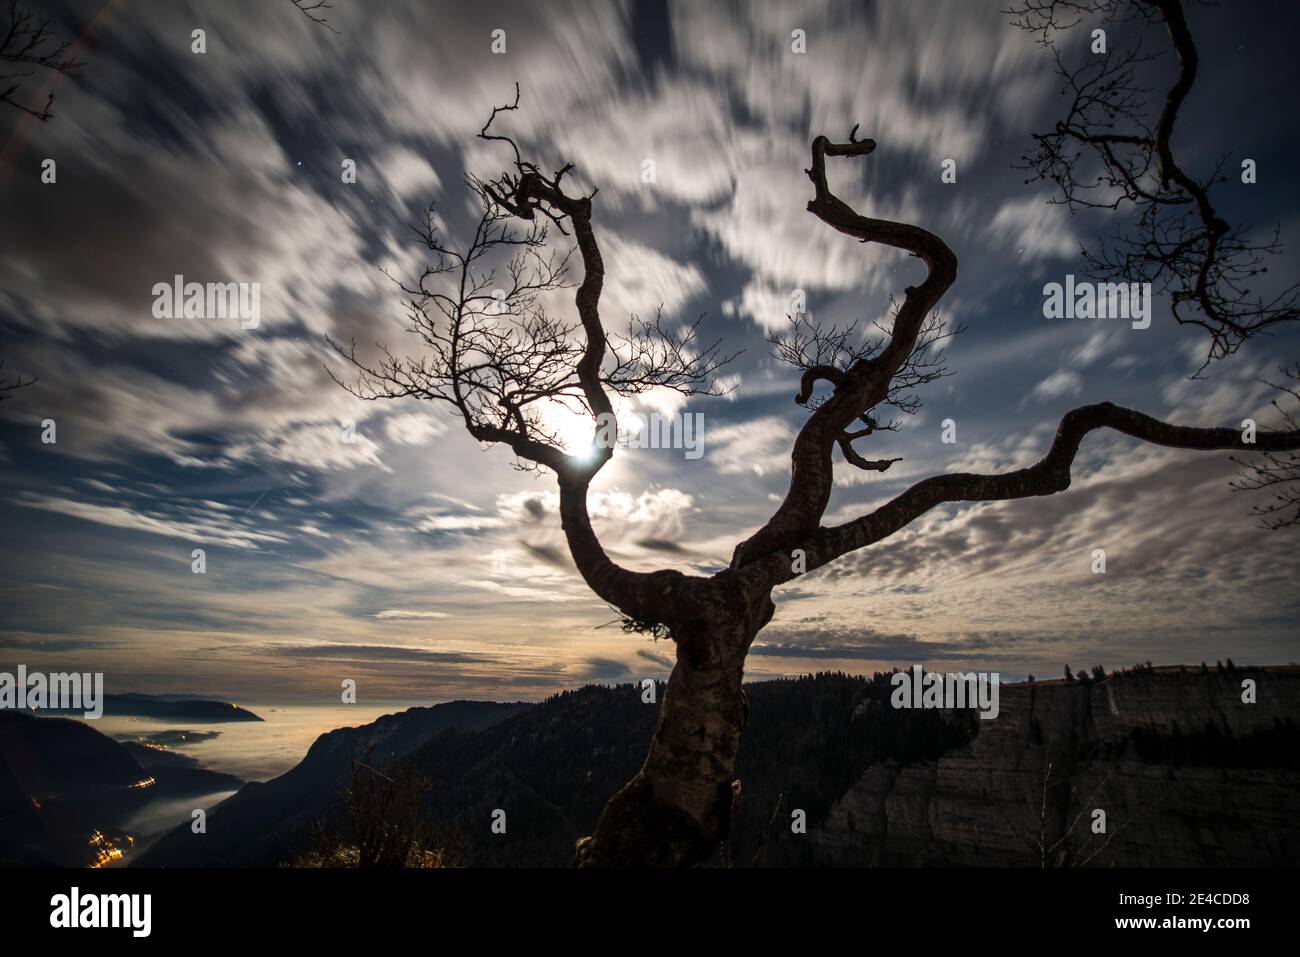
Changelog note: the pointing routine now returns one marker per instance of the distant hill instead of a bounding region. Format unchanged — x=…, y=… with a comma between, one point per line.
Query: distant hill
x=264, y=821
x=151, y=757
x=50, y=756
x=61, y=781
x=168, y=708
x=553, y=765
x=1189, y=775
x=1186, y=772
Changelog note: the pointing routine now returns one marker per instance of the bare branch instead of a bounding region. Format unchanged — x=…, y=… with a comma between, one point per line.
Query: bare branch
x=869, y=376
x=1049, y=476
x=1277, y=472
x=8, y=386
x=503, y=363
x=313, y=12
x=1177, y=241
x=27, y=43
x=491, y=351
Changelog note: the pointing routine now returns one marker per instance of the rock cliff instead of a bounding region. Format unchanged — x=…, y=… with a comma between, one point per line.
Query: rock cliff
x=1185, y=772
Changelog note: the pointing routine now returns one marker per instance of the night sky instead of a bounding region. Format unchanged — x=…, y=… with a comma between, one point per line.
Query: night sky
x=426, y=567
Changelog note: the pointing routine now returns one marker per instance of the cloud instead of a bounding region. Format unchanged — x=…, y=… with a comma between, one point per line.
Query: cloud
x=381, y=653
x=255, y=224
x=412, y=428
x=1099, y=345
x=758, y=447
x=639, y=280
x=228, y=167
x=786, y=247
x=674, y=143
x=325, y=447
x=898, y=70
x=617, y=514
x=187, y=522
x=1038, y=230
x=407, y=173
x=1060, y=383
x=769, y=307
x=857, y=644
x=602, y=670
x=663, y=661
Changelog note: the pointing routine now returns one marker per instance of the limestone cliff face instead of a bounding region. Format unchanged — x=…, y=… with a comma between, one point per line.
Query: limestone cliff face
x=1184, y=771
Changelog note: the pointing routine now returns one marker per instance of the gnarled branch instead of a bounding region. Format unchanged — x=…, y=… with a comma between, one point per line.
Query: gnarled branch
x=1178, y=241
x=502, y=362
x=314, y=11
x=1049, y=475
x=868, y=380
x=27, y=43
x=1278, y=472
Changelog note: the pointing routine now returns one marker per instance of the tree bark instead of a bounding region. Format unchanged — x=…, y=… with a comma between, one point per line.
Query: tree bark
x=677, y=808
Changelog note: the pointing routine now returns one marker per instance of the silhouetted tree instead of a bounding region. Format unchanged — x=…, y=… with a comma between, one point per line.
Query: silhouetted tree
x=28, y=47
x=1279, y=472
x=1043, y=823
x=499, y=360
x=1107, y=153
x=8, y=385
x=381, y=826
x=314, y=11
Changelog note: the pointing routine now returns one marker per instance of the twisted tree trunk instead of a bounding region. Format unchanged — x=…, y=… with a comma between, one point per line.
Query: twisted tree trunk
x=677, y=808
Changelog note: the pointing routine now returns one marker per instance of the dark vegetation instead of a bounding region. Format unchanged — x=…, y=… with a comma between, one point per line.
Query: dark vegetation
x=61, y=782
x=553, y=767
